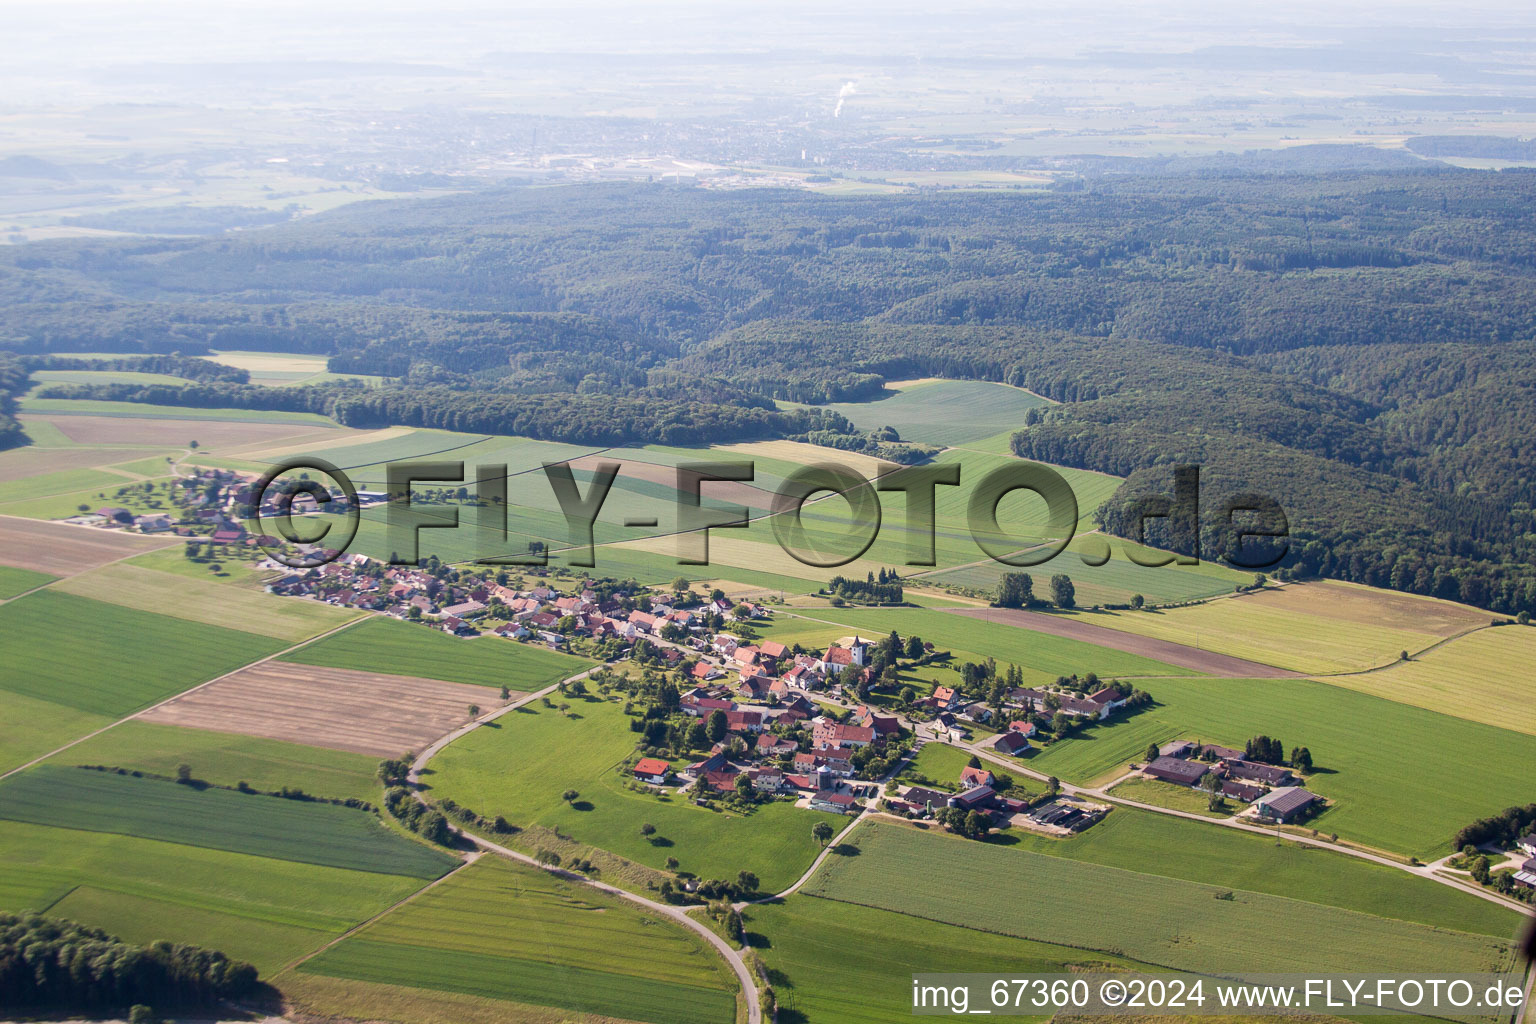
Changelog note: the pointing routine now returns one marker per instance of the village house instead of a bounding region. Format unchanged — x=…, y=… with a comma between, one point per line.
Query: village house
x=769, y=745
x=1528, y=844
x=652, y=770
x=827, y=733
x=971, y=776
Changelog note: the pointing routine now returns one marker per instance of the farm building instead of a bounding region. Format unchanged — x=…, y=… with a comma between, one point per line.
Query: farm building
x=1241, y=791
x=1177, y=770
x=837, y=803
x=1011, y=743
x=1285, y=804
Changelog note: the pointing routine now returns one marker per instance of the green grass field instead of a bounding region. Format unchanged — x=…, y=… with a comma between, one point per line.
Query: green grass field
x=111, y=660
x=1156, y=920
x=836, y=963
x=141, y=410
x=19, y=581
x=64, y=481
x=947, y=412
x=1171, y=795
x=1163, y=845
x=1041, y=657
x=942, y=763
x=207, y=601
x=225, y=759
x=30, y=727
x=407, y=649
x=507, y=932
x=520, y=766
x=1400, y=778
x=263, y=826
x=254, y=908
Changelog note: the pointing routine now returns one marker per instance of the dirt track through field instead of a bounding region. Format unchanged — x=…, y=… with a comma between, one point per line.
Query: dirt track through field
x=362, y=712
x=1181, y=655
x=63, y=550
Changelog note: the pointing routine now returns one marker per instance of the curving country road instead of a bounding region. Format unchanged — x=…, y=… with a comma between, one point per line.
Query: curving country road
x=731, y=955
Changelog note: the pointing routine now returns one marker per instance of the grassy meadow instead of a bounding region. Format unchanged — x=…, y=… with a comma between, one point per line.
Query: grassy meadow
x=407, y=649
x=520, y=765
x=221, y=819
x=1400, y=778
x=503, y=931
x=947, y=412
x=1213, y=927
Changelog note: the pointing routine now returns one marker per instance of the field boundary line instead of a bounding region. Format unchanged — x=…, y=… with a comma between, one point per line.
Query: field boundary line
x=464, y=862
x=160, y=703
x=1411, y=655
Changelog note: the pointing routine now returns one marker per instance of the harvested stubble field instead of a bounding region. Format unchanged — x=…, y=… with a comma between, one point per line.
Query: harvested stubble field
x=220, y=819
x=1484, y=676
x=20, y=463
x=172, y=432
x=342, y=709
x=1157, y=920
x=1346, y=628
x=62, y=550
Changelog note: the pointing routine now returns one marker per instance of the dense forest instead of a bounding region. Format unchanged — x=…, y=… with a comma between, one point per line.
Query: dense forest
x=1358, y=345
x=56, y=967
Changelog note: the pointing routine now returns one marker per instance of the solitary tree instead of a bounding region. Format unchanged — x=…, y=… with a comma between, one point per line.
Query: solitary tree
x=474, y=711
x=822, y=833
x=1052, y=786
x=1063, y=593
x=647, y=830
x=569, y=796
x=183, y=773
x=1137, y=601
x=715, y=726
